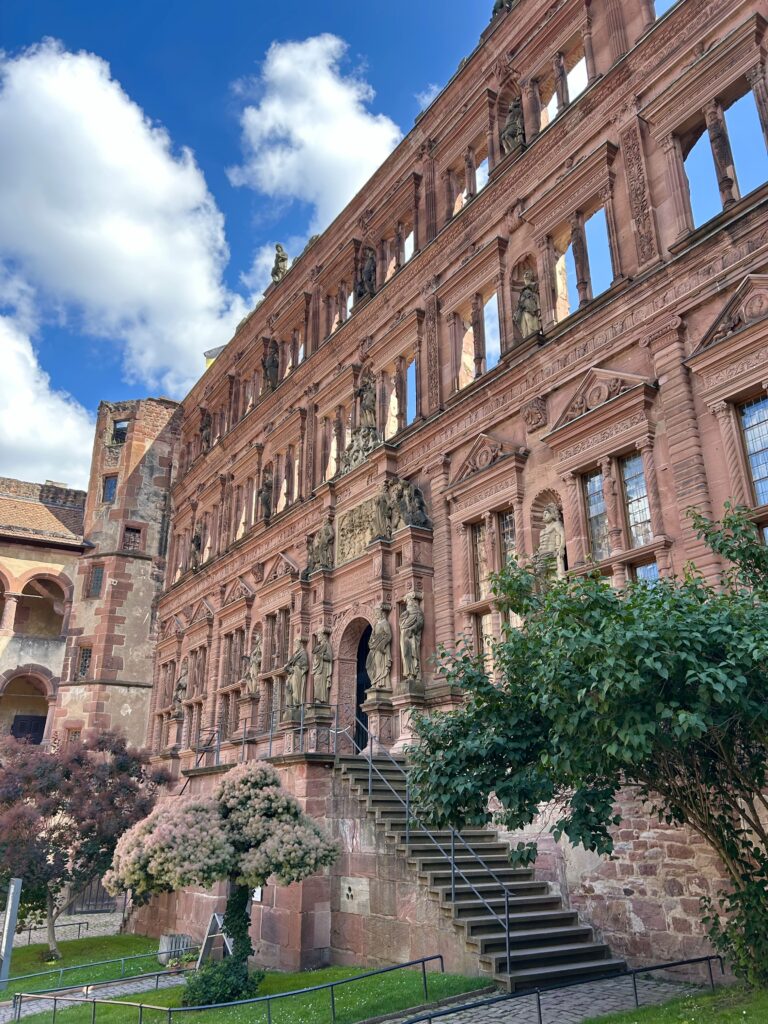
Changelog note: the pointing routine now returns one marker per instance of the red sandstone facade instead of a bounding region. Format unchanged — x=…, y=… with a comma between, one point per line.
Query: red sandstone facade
x=643, y=394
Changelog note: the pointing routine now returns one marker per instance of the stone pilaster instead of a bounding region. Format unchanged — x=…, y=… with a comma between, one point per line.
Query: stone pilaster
x=732, y=451
x=722, y=154
x=677, y=186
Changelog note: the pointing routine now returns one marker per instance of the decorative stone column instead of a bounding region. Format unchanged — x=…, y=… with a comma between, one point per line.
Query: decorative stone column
x=677, y=185
x=649, y=14
x=606, y=197
x=722, y=154
x=756, y=79
x=546, y=281
x=589, y=50
x=470, y=173
x=616, y=30
x=611, y=498
x=478, y=332
x=380, y=710
x=732, y=448
x=9, y=612
x=561, y=81
x=318, y=729
x=532, y=115
x=574, y=532
x=645, y=447
x=580, y=258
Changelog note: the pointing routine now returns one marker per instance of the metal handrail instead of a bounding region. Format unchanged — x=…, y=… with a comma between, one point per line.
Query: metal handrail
x=205, y=749
x=122, y=960
x=449, y=857
x=428, y=1017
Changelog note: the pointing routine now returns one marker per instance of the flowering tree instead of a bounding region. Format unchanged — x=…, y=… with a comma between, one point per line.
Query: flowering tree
x=247, y=832
x=61, y=814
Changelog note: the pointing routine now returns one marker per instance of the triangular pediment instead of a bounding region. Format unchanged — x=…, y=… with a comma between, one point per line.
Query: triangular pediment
x=237, y=590
x=747, y=306
x=203, y=612
x=281, y=566
x=172, y=626
x=485, y=451
x=598, y=386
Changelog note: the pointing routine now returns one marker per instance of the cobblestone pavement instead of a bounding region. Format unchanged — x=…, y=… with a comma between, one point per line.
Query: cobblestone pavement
x=66, y=928
x=570, y=1006
x=123, y=988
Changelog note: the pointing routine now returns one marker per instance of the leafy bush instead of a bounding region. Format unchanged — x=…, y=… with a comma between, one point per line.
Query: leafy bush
x=737, y=929
x=222, y=982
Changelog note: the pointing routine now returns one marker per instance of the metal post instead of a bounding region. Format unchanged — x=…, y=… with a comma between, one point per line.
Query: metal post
x=301, y=729
x=217, y=755
x=141, y=1013
x=170, y=1017
x=634, y=985
x=711, y=975
x=269, y=1011
x=509, y=951
x=538, y=1006
x=122, y=968
x=9, y=929
x=55, y=1004
x=424, y=980
x=407, y=814
x=453, y=866
x=370, y=768
x=333, y=1004
x=93, y=1012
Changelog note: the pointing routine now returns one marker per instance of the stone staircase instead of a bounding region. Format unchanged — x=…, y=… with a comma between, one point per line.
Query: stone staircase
x=548, y=945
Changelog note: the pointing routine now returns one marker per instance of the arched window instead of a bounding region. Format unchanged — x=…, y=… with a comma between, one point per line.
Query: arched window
x=41, y=609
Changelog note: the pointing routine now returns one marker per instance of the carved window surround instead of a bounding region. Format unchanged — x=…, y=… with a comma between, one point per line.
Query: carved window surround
x=400, y=203
x=735, y=55
x=468, y=128
x=731, y=363
x=589, y=179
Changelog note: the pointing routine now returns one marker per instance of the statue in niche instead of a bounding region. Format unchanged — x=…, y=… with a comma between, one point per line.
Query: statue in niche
x=513, y=132
x=195, y=550
x=206, y=430
x=322, y=665
x=265, y=494
x=528, y=313
x=382, y=512
x=366, y=287
x=253, y=665
x=280, y=269
x=270, y=364
x=296, y=670
x=411, y=629
x=550, y=554
x=499, y=7
x=367, y=395
x=413, y=506
x=378, y=664
x=320, y=549
x=180, y=689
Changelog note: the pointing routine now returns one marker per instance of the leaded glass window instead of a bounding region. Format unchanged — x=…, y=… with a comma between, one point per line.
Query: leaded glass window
x=508, y=536
x=480, y=561
x=647, y=573
x=636, y=501
x=597, y=516
x=754, y=423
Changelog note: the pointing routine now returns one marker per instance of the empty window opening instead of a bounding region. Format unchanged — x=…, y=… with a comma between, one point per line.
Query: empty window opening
x=40, y=610
x=597, y=516
x=662, y=6
x=578, y=79
x=109, y=490
x=392, y=424
x=754, y=422
x=492, y=332
x=702, y=181
x=599, y=249
x=636, y=503
x=482, y=174
x=409, y=246
x=467, y=355
x=745, y=133
x=119, y=431
x=95, y=581
x=411, y=384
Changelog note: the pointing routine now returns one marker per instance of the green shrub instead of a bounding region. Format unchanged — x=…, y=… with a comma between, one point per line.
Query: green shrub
x=222, y=982
x=738, y=928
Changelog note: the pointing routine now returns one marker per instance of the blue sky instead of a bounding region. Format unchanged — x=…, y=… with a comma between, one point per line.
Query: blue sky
x=122, y=257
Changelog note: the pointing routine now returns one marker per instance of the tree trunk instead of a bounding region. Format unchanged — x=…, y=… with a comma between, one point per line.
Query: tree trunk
x=237, y=922
x=50, y=914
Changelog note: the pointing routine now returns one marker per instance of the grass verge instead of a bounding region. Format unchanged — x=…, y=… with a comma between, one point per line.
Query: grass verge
x=387, y=993
x=731, y=1007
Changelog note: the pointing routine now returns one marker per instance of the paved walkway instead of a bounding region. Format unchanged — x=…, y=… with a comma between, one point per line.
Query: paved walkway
x=66, y=928
x=570, y=1006
x=123, y=988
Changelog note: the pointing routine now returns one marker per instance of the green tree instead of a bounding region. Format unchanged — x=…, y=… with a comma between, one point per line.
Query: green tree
x=660, y=687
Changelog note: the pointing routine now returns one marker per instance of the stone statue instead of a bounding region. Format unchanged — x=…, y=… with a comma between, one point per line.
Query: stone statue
x=367, y=395
x=323, y=545
x=411, y=628
x=499, y=7
x=551, y=550
x=382, y=513
x=253, y=665
x=322, y=665
x=195, y=550
x=378, y=664
x=528, y=313
x=206, y=430
x=280, y=269
x=270, y=364
x=367, y=284
x=413, y=507
x=297, y=670
x=180, y=690
x=513, y=132
x=265, y=494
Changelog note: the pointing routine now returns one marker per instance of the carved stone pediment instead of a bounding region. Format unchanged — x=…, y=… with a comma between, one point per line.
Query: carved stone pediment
x=748, y=306
x=598, y=387
x=202, y=612
x=172, y=627
x=237, y=590
x=485, y=451
x=281, y=567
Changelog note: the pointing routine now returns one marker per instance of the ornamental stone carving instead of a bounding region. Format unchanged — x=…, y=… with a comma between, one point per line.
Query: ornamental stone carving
x=549, y=559
x=411, y=630
x=534, y=413
x=180, y=689
x=398, y=503
x=322, y=665
x=253, y=666
x=378, y=664
x=296, y=671
x=528, y=313
x=513, y=132
x=270, y=364
x=280, y=268
x=320, y=549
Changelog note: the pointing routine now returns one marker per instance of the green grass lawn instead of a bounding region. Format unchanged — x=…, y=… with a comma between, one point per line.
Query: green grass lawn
x=733, y=1007
x=386, y=993
x=29, y=960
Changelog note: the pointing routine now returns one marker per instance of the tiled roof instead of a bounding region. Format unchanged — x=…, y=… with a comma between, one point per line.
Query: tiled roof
x=48, y=512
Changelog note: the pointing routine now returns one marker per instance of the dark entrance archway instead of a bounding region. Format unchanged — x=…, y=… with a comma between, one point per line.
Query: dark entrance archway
x=363, y=685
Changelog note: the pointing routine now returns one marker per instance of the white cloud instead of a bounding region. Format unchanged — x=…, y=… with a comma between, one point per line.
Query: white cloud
x=426, y=97
x=44, y=434
x=107, y=222
x=310, y=136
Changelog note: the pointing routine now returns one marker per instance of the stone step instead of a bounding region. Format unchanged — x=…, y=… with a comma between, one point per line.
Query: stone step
x=583, y=952
x=482, y=925
x=484, y=843
x=508, y=876
x=477, y=908
x=497, y=942
x=492, y=890
x=549, y=974
x=436, y=861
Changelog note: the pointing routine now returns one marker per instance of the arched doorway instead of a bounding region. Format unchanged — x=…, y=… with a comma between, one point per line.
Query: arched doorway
x=24, y=709
x=363, y=684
